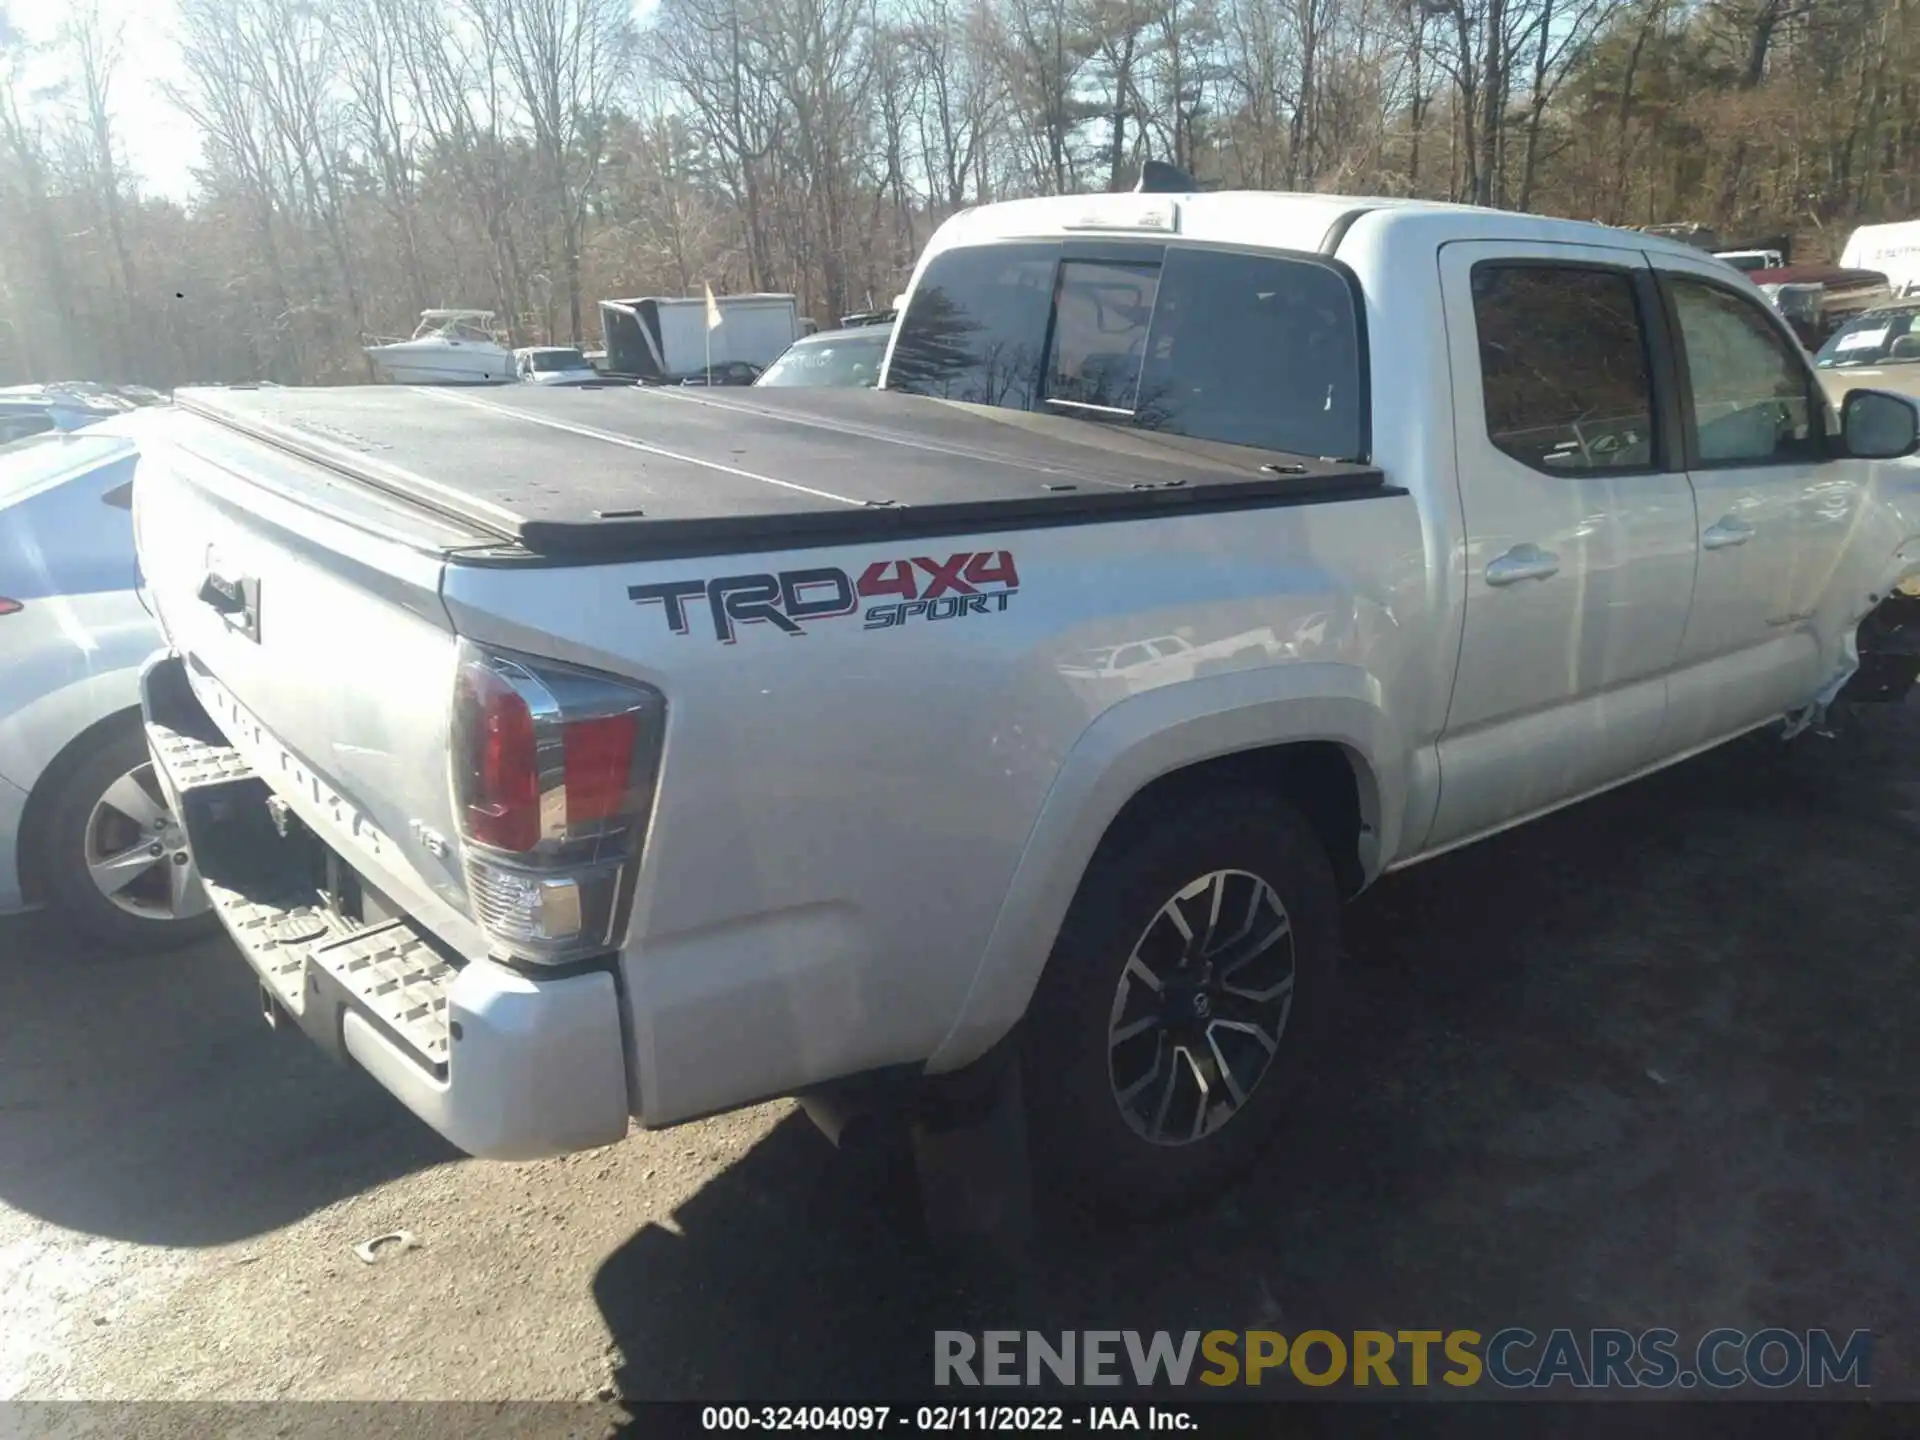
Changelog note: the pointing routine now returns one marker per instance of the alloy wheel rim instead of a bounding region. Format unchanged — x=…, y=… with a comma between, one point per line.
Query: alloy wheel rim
x=1201, y=1007
x=136, y=852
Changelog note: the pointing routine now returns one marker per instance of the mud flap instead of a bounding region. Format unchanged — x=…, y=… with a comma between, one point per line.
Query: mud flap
x=970, y=1154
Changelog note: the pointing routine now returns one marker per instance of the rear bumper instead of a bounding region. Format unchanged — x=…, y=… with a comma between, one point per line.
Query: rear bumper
x=505, y=1066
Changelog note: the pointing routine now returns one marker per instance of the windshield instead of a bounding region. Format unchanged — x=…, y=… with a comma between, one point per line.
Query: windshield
x=847, y=362
x=1883, y=337
x=559, y=360
x=1250, y=349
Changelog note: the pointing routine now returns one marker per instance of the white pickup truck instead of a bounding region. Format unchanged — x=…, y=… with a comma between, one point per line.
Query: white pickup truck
x=575, y=756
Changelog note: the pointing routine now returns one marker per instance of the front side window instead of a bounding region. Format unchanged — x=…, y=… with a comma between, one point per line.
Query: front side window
x=1750, y=392
x=1258, y=350
x=1563, y=367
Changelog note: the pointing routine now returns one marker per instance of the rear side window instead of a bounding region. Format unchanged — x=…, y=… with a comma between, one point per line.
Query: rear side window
x=1255, y=350
x=1563, y=366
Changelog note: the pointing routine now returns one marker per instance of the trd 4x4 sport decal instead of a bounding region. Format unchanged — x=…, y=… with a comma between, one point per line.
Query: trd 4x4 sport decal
x=970, y=583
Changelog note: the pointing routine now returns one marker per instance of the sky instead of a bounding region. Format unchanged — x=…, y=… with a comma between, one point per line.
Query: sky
x=161, y=145
x=158, y=143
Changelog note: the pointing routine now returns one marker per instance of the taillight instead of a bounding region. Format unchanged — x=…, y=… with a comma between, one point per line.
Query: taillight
x=10, y=607
x=501, y=806
x=598, y=766
x=553, y=771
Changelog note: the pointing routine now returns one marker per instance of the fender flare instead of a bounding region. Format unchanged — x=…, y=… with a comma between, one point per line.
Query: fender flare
x=1130, y=745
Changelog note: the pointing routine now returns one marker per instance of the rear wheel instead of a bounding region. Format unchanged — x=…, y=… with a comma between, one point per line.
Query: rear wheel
x=1178, y=1008
x=116, y=859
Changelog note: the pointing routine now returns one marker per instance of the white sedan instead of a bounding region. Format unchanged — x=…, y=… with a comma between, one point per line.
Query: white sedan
x=553, y=365
x=83, y=827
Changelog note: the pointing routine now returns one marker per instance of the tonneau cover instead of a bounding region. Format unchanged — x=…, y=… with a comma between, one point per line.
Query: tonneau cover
x=643, y=472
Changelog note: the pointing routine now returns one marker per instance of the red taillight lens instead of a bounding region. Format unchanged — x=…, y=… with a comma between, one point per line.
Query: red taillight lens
x=599, y=767
x=10, y=607
x=501, y=788
x=553, y=769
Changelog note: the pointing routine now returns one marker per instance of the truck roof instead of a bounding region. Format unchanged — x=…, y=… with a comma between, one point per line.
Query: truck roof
x=642, y=472
x=1281, y=219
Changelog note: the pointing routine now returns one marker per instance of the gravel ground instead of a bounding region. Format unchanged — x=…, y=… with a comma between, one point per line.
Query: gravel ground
x=1648, y=1062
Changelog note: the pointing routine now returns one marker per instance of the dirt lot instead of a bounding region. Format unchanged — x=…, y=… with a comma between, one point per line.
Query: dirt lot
x=1650, y=1062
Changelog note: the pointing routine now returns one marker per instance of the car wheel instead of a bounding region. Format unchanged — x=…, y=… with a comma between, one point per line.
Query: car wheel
x=1179, y=1005
x=117, y=865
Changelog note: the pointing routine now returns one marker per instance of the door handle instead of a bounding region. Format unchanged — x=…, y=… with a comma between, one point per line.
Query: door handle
x=1523, y=562
x=1730, y=531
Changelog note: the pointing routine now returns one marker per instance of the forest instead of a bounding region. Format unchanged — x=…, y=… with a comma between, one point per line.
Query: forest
x=363, y=160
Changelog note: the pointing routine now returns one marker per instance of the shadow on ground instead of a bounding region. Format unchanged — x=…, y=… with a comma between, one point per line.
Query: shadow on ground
x=142, y=1098
x=1645, y=1063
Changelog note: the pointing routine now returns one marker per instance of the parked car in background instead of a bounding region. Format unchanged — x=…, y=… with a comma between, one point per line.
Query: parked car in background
x=1844, y=293
x=833, y=357
x=1879, y=350
x=36, y=409
x=731, y=372
x=83, y=826
x=553, y=365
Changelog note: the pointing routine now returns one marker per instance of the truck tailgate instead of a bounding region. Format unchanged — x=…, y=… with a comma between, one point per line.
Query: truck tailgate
x=309, y=616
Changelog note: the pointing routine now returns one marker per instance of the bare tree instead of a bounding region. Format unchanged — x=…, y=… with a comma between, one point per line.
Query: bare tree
x=368, y=158
x=94, y=45
x=567, y=58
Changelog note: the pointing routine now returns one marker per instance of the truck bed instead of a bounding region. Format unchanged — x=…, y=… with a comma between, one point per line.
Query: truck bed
x=604, y=471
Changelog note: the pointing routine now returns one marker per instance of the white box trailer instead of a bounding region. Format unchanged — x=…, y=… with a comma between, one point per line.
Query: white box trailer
x=1893, y=250
x=664, y=337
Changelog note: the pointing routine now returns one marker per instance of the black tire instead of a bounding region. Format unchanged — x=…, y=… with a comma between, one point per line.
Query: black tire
x=1088, y=1150
x=111, y=753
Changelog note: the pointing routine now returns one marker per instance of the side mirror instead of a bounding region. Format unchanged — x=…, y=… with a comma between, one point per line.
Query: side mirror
x=1876, y=425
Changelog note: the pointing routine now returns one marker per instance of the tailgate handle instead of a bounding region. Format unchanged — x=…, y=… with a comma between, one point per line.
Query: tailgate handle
x=237, y=601
x=227, y=596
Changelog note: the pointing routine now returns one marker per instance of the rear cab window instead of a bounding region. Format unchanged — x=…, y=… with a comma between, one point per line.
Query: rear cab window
x=1263, y=349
